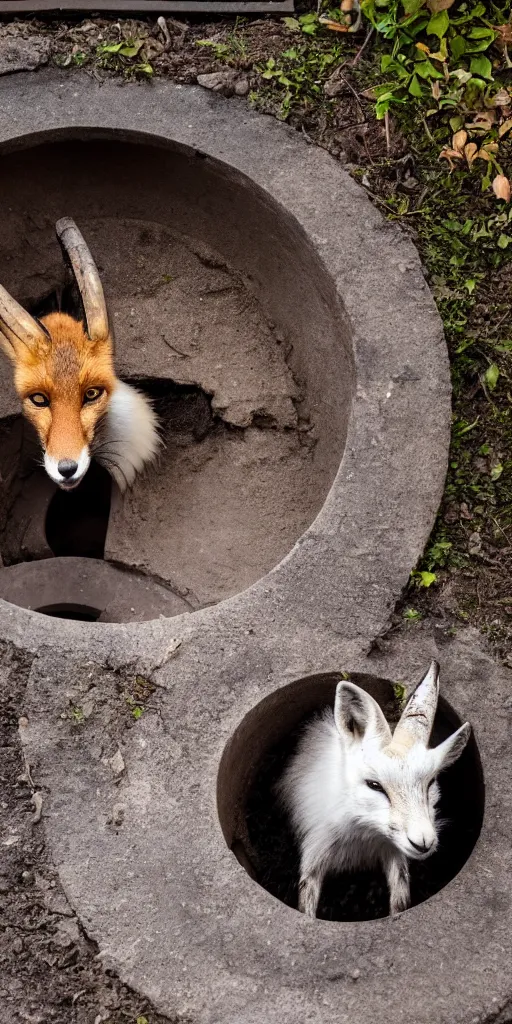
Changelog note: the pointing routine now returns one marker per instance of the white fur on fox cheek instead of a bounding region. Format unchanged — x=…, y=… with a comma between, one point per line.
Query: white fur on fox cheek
x=51, y=466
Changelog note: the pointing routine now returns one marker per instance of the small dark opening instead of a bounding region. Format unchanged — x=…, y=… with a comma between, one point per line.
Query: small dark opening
x=82, y=613
x=257, y=829
x=77, y=521
x=184, y=411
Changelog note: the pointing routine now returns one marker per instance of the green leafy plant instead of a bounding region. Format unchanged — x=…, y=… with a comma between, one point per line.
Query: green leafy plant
x=301, y=71
x=125, y=57
x=400, y=692
x=411, y=615
x=445, y=61
x=309, y=23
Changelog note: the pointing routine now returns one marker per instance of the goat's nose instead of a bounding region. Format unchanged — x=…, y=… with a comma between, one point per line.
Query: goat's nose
x=67, y=468
x=422, y=847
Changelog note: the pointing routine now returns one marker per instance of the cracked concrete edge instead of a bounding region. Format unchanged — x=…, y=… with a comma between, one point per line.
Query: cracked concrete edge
x=178, y=918
x=350, y=566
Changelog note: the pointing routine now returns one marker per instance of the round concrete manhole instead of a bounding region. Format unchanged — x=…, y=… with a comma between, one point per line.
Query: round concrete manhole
x=257, y=829
x=241, y=347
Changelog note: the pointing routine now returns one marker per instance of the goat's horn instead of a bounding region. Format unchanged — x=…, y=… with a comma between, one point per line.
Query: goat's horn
x=78, y=256
x=17, y=325
x=417, y=718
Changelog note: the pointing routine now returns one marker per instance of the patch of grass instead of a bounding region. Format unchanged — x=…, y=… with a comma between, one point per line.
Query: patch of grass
x=299, y=74
x=138, y=696
x=400, y=693
x=77, y=715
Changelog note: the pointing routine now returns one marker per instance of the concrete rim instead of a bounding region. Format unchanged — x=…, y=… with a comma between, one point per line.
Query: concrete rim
x=390, y=480
x=171, y=909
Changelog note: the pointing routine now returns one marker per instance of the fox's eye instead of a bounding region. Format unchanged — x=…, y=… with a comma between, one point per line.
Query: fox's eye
x=92, y=394
x=39, y=400
x=372, y=784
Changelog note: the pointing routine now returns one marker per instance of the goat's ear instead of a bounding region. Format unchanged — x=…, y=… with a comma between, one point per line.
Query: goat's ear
x=357, y=714
x=450, y=750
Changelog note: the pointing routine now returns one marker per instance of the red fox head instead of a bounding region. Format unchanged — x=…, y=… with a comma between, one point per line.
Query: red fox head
x=64, y=375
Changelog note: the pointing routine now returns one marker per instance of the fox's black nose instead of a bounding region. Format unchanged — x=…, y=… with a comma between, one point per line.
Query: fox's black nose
x=67, y=468
x=421, y=848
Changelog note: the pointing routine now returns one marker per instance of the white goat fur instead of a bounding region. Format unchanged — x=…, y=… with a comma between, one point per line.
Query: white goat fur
x=127, y=437
x=358, y=797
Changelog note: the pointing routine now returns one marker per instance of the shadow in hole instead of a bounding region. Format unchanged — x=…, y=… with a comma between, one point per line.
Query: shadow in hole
x=77, y=521
x=359, y=896
x=82, y=613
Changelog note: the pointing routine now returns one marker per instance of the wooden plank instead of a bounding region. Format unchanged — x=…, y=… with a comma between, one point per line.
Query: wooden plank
x=141, y=7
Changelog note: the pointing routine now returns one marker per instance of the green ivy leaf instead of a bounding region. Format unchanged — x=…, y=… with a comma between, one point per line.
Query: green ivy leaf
x=504, y=241
x=130, y=51
x=292, y=24
x=481, y=66
x=438, y=24
x=457, y=47
x=426, y=579
x=491, y=376
x=496, y=471
x=415, y=87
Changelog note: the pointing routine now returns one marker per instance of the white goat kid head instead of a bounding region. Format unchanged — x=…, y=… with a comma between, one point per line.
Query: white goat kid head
x=392, y=778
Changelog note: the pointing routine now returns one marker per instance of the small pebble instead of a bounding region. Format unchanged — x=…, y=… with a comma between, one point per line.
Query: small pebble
x=355, y=974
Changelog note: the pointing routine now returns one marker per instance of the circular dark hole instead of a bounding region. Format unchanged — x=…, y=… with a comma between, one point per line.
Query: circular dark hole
x=80, y=612
x=77, y=521
x=257, y=829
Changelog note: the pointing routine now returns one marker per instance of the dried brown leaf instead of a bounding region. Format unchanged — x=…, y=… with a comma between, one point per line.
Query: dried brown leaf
x=436, y=89
x=501, y=98
x=482, y=121
x=459, y=140
x=488, y=152
x=450, y=155
x=470, y=152
x=501, y=188
x=504, y=33
x=505, y=127
x=334, y=25
x=439, y=5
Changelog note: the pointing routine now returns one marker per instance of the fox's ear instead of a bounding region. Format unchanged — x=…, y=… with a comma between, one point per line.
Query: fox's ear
x=358, y=715
x=19, y=331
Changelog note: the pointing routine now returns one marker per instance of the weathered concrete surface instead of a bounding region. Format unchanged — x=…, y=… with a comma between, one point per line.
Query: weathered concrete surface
x=349, y=567
x=116, y=595
x=171, y=909
x=174, y=912
x=23, y=54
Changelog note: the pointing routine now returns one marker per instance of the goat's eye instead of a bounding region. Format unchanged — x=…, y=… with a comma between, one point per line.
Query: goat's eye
x=39, y=400
x=92, y=394
x=372, y=784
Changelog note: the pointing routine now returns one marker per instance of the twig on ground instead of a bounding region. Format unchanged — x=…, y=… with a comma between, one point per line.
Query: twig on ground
x=362, y=48
x=354, y=93
x=388, y=138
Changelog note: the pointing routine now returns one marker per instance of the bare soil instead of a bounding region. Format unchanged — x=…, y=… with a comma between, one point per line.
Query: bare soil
x=49, y=970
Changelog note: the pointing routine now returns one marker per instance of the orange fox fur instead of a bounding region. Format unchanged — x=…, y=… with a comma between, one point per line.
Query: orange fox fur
x=63, y=370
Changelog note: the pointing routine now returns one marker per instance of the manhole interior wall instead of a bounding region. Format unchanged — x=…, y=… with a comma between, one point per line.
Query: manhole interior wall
x=224, y=314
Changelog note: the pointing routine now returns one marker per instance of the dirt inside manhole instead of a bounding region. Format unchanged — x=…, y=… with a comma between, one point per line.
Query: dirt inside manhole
x=259, y=833
x=242, y=351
